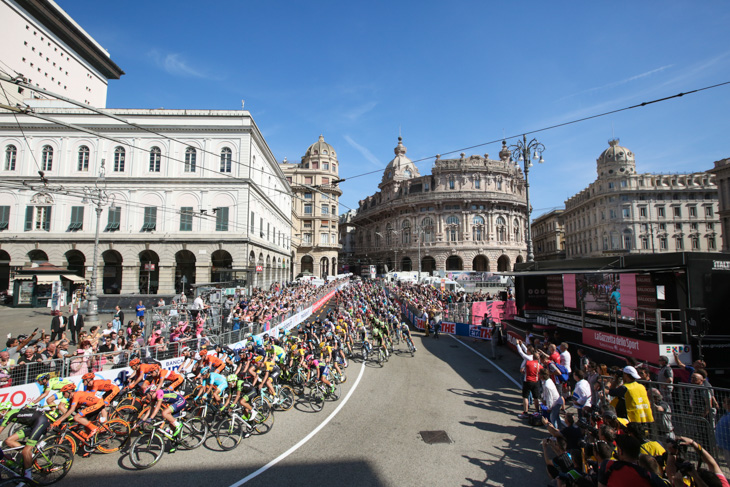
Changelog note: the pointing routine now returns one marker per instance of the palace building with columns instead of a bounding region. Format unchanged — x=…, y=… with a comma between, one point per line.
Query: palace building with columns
x=469, y=214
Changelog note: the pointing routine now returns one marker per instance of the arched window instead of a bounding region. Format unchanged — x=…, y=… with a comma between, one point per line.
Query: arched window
x=478, y=229
x=226, y=158
x=628, y=239
x=119, y=156
x=452, y=184
x=155, y=159
x=190, y=157
x=427, y=228
x=377, y=237
x=501, y=229
x=83, y=163
x=47, y=158
x=406, y=232
x=516, y=230
x=389, y=234
x=11, y=155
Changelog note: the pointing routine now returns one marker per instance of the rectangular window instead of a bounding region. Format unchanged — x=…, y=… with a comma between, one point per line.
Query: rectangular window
x=695, y=243
x=626, y=212
x=334, y=209
x=325, y=196
x=307, y=224
x=612, y=214
x=38, y=218
x=308, y=209
x=186, y=219
x=288, y=179
x=324, y=238
x=693, y=227
x=325, y=210
x=642, y=211
x=308, y=180
x=221, y=219
x=315, y=165
x=4, y=217
x=325, y=223
x=477, y=184
x=268, y=231
x=610, y=185
x=692, y=211
x=677, y=227
x=660, y=212
x=645, y=243
x=624, y=183
x=663, y=243
x=710, y=226
x=680, y=243
x=710, y=243
x=115, y=215
x=425, y=186
x=253, y=222
x=307, y=196
x=307, y=238
x=677, y=212
x=624, y=197
x=325, y=180
x=150, y=219
x=326, y=166
x=77, y=218
x=708, y=212
x=261, y=227
x=663, y=227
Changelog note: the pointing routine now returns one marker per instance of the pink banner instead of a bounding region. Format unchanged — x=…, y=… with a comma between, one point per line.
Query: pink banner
x=478, y=310
x=569, y=291
x=629, y=301
x=625, y=346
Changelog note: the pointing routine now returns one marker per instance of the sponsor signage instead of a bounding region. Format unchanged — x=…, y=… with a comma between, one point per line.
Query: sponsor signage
x=638, y=349
x=721, y=265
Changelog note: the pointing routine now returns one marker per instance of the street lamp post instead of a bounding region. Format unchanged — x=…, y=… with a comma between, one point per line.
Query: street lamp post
x=521, y=151
x=99, y=198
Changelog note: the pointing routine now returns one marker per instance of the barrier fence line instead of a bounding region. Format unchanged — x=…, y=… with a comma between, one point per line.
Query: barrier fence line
x=109, y=366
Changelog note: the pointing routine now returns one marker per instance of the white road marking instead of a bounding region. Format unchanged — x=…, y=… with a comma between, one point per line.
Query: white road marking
x=491, y=362
x=306, y=438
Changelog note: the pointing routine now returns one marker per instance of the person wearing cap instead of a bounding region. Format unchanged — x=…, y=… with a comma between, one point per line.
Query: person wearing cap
x=638, y=407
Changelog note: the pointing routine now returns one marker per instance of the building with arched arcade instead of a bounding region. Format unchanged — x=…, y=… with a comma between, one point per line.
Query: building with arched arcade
x=469, y=214
x=191, y=195
x=314, y=217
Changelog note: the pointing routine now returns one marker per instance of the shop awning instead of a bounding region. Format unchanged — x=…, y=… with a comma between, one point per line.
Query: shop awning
x=23, y=278
x=74, y=279
x=47, y=279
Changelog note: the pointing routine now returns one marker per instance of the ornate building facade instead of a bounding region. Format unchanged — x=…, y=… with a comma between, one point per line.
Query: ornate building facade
x=469, y=214
x=548, y=235
x=626, y=212
x=315, y=240
x=191, y=194
x=721, y=170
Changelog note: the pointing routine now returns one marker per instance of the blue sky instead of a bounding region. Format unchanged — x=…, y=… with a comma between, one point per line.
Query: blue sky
x=447, y=75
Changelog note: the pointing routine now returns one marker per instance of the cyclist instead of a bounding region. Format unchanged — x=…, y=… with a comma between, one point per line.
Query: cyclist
x=323, y=370
x=51, y=390
x=406, y=333
x=173, y=404
x=212, y=361
x=88, y=405
x=166, y=379
x=270, y=372
x=214, y=383
x=141, y=372
x=245, y=393
x=35, y=424
x=107, y=387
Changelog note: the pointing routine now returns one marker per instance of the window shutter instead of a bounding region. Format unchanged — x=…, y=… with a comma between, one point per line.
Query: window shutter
x=47, y=221
x=29, y=218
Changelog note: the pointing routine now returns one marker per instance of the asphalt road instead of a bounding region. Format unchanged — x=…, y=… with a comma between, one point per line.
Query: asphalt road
x=374, y=438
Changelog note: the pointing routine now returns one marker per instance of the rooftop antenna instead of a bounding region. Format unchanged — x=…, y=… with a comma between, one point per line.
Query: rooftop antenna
x=242, y=102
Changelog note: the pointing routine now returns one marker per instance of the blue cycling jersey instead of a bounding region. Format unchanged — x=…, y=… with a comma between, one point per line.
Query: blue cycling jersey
x=217, y=380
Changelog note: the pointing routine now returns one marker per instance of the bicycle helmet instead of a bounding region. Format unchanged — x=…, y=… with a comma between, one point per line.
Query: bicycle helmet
x=205, y=371
x=232, y=378
x=68, y=388
x=43, y=376
x=88, y=376
x=6, y=406
x=134, y=362
x=185, y=349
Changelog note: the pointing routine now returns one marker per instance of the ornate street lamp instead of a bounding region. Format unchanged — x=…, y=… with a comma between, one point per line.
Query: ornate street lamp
x=521, y=152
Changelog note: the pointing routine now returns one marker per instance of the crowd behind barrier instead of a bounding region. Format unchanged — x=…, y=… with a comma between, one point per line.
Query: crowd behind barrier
x=163, y=342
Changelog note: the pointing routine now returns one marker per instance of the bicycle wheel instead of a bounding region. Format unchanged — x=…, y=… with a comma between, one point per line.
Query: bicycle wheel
x=51, y=463
x=146, y=450
x=111, y=435
x=126, y=413
x=67, y=440
x=229, y=432
x=334, y=394
x=286, y=398
x=316, y=398
x=263, y=421
x=341, y=377
x=193, y=434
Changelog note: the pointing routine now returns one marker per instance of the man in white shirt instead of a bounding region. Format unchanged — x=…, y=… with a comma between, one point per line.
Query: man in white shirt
x=581, y=393
x=565, y=356
x=551, y=397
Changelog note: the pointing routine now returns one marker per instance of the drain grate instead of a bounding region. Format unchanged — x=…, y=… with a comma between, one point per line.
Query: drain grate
x=433, y=437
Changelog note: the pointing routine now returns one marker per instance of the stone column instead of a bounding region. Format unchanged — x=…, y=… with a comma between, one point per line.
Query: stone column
x=130, y=279
x=166, y=278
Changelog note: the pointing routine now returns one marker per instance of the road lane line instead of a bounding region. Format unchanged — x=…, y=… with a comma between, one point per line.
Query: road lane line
x=495, y=365
x=306, y=438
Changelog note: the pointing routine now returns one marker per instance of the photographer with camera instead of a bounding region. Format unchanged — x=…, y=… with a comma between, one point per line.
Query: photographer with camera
x=626, y=471
x=678, y=468
x=556, y=456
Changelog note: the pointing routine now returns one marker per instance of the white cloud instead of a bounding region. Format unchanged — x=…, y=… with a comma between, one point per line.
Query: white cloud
x=364, y=152
x=176, y=65
x=619, y=82
x=358, y=112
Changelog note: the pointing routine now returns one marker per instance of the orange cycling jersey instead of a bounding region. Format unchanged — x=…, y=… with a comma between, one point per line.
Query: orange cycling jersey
x=145, y=369
x=84, y=398
x=212, y=360
x=103, y=385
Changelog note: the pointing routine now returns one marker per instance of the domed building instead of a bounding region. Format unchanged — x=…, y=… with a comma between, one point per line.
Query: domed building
x=469, y=214
x=314, y=210
x=627, y=212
